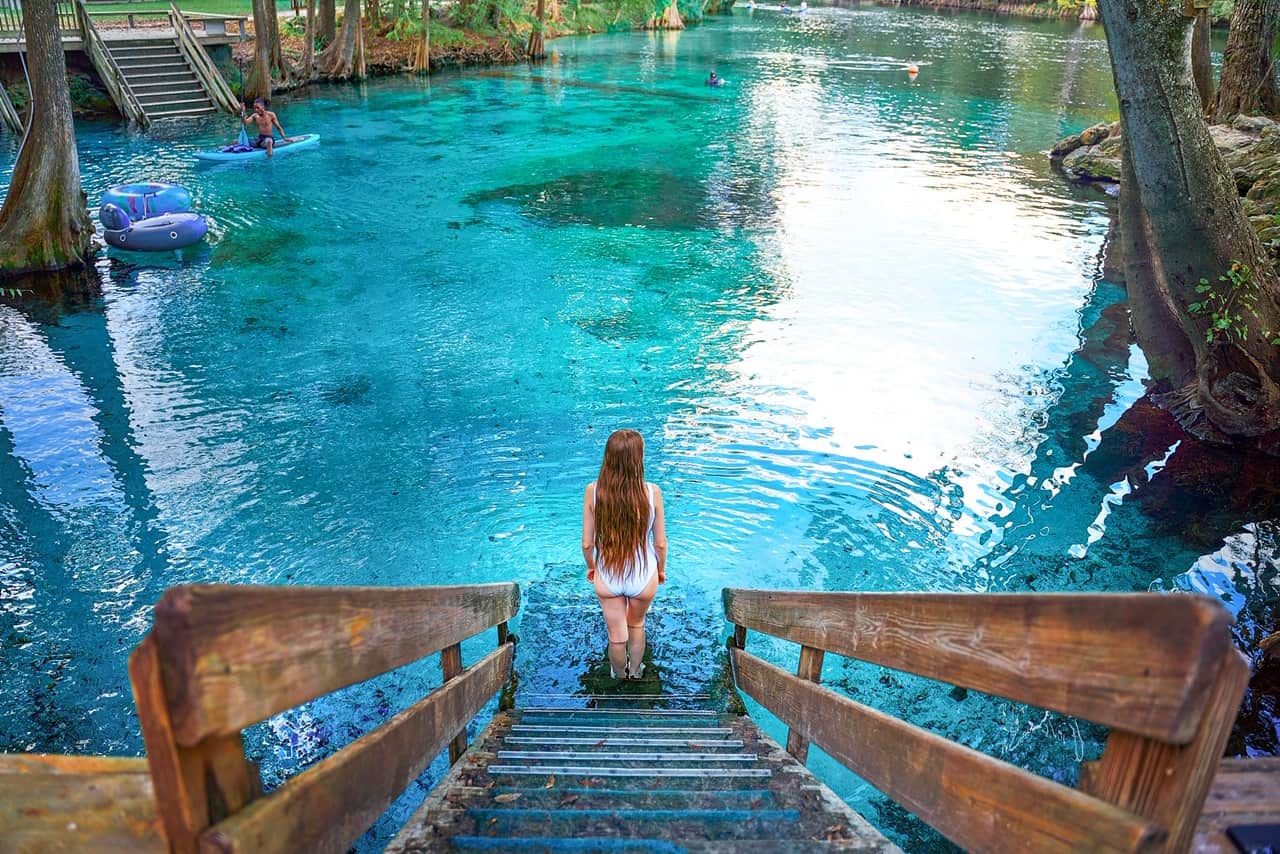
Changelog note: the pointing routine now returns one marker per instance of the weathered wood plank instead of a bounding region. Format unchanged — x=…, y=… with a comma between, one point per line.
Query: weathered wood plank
x=77, y=803
x=810, y=668
x=451, y=666
x=235, y=655
x=1139, y=662
x=1244, y=791
x=979, y=802
x=1168, y=783
x=328, y=806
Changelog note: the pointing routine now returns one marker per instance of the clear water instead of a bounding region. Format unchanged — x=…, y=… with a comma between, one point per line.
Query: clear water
x=859, y=321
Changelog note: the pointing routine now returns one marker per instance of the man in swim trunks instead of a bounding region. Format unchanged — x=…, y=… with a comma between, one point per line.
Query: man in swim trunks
x=267, y=123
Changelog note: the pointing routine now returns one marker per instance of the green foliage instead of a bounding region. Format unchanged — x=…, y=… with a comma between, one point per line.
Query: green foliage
x=1221, y=10
x=1227, y=303
x=1076, y=5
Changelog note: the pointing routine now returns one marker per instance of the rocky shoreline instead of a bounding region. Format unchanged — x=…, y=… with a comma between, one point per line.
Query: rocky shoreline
x=1250, y=145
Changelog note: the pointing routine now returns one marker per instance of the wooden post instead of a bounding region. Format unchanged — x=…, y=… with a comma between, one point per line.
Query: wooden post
x=811, y=669
x=1164, y=782
x=194, y=787
x=451, y=664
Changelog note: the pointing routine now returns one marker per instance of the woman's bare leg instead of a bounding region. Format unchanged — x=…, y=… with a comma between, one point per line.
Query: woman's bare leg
x=637, y=607
x=615, y=620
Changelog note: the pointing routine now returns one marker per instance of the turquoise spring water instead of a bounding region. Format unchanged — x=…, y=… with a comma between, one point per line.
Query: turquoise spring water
x=861, y=323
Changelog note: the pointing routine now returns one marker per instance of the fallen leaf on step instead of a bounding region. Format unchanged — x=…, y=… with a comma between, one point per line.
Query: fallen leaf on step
x=493, y=821
x=509, y=797
x=551, y=782
x=834, y=832
x=601, y=742
x=568, y=799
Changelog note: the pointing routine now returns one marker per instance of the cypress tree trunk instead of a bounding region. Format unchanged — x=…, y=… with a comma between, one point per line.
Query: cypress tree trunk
x=1181, y=221
x=422, y=55
x=258, y=83
x=328, y=21
x=278, y=66
x=1248, y=83
x=671, y=19
x=1202, y=60
x=44, y=224
x=309, y=46
x=537, y=48
x=339, y=58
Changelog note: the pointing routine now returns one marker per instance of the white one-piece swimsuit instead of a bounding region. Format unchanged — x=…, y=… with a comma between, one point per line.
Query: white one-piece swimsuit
x=645, y=565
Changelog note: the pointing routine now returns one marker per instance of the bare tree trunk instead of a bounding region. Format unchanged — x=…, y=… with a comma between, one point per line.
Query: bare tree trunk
x=1181, y=222
x=373, y=12
x=422, y=54
x=309, y=46
x=328, y=21
x=339, y=58
x=1202, y=60
x=278, y=66
x=1248, y=84
x=258, y=83
x=44, y=224
x=537, y=48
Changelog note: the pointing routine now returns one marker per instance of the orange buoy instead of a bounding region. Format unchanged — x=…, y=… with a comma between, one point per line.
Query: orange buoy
x=913, y=70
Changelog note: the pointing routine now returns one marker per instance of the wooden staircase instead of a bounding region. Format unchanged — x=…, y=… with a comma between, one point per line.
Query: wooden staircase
x=161, y=78
x=632, y=779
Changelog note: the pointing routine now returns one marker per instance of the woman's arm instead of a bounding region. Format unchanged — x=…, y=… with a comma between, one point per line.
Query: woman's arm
x=589, y=532
x=659, y=534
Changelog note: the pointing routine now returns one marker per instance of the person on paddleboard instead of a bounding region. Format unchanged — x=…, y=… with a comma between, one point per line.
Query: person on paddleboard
x=267, y=124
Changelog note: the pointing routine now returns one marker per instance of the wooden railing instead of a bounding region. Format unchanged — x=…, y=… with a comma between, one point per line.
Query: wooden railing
x=1159, y=670
x=221, y=658
x=8, y=113
x=108, y=70
x=200, y=62
x=11, y=19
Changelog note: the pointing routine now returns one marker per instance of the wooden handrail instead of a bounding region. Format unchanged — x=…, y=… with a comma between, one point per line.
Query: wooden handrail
x=328, y=806
x=221, y=657
x=973, y=799
x=233, y=655
x=1159, y=669
x=1141, y=662
x=8, y=113
x=200, y=62
x=100, y=55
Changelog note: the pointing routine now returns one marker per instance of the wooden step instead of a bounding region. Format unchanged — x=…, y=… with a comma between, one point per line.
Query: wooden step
x=177, y=113
x=572, y=779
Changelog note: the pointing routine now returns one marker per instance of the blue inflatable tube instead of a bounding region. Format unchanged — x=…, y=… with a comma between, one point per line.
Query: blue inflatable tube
x=153, y=234
x=140, y=201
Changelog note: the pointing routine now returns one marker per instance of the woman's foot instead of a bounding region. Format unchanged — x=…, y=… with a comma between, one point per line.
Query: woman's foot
x=636, y=674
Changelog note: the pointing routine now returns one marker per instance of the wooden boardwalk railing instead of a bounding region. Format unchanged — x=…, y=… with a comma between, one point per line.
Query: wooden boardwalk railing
x=223, y=657
x=1159, y=670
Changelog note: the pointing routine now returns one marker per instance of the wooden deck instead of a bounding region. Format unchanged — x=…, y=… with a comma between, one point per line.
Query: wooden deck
x=636, y=780
x=1244, y=792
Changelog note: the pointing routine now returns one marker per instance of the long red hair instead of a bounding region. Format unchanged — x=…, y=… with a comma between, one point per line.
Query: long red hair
x=622, y=504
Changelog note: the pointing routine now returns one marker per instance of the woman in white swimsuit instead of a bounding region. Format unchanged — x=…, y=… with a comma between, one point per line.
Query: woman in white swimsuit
x=624, y=541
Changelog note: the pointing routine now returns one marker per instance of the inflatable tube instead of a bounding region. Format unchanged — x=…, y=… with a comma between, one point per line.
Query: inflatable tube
x=140, y=201
x=295, y=143
x=154, y=234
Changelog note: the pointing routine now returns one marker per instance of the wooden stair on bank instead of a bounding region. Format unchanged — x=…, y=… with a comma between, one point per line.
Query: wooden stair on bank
x=636, y=780
x=163, y=81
